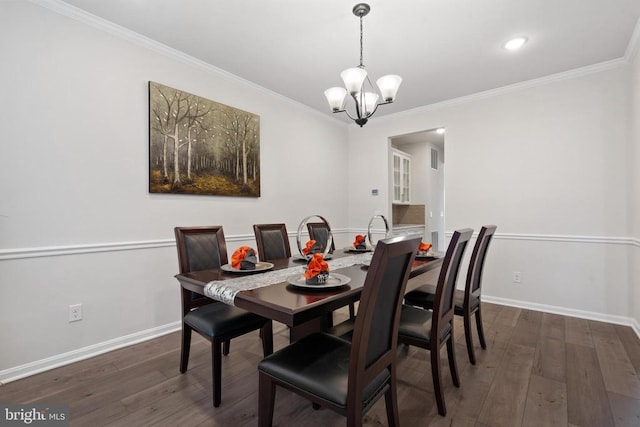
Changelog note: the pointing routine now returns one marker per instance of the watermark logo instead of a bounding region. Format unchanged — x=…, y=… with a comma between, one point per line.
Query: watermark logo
x=34, y=415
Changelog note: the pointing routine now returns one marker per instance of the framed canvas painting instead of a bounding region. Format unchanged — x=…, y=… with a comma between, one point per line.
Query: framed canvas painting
x=199, y=146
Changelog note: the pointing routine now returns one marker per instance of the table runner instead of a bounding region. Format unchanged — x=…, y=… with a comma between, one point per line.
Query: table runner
x=226, y=290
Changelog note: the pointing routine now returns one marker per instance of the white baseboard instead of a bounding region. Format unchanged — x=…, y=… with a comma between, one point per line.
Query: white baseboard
x=56, y=361
x=618, y=320
x=635, y=326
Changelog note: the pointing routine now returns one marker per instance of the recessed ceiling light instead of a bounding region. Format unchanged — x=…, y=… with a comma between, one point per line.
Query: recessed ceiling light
x=515, y=43
x=440, y=131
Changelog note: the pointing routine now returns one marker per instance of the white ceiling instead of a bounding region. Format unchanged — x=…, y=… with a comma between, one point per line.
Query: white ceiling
x=443, y=49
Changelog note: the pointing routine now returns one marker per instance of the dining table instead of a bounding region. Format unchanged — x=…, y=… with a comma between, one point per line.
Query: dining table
x=303, y=309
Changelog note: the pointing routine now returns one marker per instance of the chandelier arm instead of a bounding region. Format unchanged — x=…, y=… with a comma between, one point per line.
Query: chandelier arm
x=347, y=113
x=358, y=112
x=376, y=108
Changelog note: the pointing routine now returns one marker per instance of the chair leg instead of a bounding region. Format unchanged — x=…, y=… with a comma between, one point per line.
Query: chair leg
x=352, y=311
x=266, y=400
x=216, y=369
x=437, y=381
x=468, y=338
x=483, y=343
x=453, y=366
x=266, y=333
x=354, y=416
x=391, y=401
x=186, y=345
x=226, y=346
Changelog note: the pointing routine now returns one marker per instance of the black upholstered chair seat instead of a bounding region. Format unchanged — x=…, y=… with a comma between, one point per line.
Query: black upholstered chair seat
x=424, y=295
x=219, y=319
x=421, y=297
x=416, y=323
x=319, y=364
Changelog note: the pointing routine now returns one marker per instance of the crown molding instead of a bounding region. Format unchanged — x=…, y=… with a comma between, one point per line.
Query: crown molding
x=123, y=33
x=566, y=75
x=80, y=15
x=634, y=43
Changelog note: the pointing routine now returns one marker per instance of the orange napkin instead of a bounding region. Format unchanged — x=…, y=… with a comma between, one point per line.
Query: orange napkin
x=316, y=266
x=360, y=242
x=244, y=258
x=312, y=247
x=424, y=247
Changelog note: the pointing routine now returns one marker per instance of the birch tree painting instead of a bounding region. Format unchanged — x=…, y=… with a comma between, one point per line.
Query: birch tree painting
x=198, y=146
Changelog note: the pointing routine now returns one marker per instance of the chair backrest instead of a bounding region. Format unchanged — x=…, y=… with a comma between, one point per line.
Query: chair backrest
x=200, y=248
x=443, y=304
x=375, y=332
x=472, y=288
x=319, y=232
x=272, y=241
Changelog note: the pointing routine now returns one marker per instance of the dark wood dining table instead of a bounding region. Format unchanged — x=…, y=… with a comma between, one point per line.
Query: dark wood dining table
x=303, y=310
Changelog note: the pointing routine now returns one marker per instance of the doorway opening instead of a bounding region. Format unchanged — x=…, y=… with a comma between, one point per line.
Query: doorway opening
x=416, y=187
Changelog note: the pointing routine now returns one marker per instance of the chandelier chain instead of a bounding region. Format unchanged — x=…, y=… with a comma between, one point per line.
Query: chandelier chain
x=361, y=64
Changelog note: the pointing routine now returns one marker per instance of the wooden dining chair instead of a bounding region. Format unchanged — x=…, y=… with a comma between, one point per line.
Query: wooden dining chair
x=272, y=241
x=467, y=302
x=349, y=378
x=431, y=330
x=319, y=231
x=202, y=248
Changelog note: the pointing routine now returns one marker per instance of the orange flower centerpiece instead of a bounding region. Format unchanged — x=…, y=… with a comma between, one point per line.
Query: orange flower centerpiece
x=360, y=242
x=317, y=270
x=424, y=248
x=311, y=248
x=244, y=258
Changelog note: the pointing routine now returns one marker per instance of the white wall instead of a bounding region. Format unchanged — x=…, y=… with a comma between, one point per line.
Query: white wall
x=77, y=224
x=546, y=162
x=634, y=186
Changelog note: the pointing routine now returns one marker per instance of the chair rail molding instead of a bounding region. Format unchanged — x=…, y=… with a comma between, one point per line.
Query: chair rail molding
x=611, y=240
x=50, y=251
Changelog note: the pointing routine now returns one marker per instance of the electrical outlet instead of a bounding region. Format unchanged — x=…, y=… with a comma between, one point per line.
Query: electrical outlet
x=517, y=277
x=75, y=312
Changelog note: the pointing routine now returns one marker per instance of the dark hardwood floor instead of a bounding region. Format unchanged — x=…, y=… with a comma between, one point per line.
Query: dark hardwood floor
x=539, y=369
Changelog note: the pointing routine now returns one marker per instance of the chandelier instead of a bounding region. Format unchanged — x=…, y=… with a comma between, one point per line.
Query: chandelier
x=355, y=79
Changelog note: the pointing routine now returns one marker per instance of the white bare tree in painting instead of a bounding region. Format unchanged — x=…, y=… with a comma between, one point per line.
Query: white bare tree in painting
x=194, y=124
x=241, y=130
x=165, y=122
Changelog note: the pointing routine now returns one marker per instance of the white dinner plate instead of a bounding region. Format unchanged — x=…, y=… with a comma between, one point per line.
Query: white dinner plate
x=335, y=280
x=260, y=266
